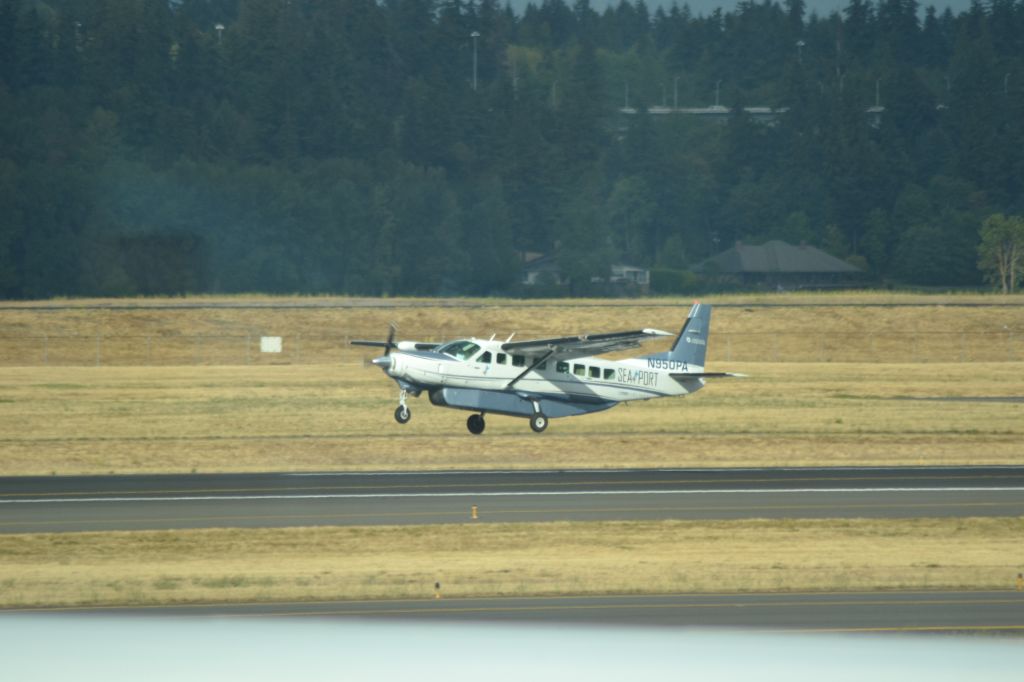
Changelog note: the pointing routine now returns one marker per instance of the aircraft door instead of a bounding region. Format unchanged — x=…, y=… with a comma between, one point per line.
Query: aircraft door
x=479, y=369
x=457, y=373
x=451, y=373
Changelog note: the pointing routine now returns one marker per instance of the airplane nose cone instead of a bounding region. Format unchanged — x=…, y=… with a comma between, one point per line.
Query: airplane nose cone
x=384, y=362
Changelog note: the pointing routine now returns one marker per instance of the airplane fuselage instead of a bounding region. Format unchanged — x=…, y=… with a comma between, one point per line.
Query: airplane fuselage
x=585, y=378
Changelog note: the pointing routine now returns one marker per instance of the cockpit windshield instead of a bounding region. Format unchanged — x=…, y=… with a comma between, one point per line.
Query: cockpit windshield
x=460, y=350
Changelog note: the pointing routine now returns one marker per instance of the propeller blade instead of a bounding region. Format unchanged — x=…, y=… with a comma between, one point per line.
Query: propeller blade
x=392, y=328
x=386, y=345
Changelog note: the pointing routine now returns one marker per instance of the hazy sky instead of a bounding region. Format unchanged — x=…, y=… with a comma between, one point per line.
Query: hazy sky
x=822, y=7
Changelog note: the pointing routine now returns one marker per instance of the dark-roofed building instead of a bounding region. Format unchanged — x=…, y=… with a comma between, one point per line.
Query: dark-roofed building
x=778, y=264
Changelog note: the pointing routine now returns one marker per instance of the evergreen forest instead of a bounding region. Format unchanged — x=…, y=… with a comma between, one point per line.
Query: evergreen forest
x=422, y=147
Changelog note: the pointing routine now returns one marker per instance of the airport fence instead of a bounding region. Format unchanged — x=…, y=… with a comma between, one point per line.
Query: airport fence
x=245, y=349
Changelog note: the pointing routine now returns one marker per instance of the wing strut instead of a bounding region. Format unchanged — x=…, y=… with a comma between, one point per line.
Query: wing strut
x=532, y=367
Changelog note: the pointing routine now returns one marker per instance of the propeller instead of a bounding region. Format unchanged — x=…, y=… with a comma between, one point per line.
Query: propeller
x=386, y=345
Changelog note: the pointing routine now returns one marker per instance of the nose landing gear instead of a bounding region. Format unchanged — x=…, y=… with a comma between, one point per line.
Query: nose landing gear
x=402, y=412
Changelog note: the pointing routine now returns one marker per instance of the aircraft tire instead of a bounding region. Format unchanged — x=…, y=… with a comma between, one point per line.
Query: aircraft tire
x=402, y=414
x=538, y=422
x=476, y=424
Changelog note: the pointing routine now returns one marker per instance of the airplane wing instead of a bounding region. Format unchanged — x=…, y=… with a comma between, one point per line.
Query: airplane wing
x=568, y=347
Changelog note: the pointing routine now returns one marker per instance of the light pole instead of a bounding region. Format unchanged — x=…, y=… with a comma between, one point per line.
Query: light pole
x=800, y=52
x=474, y=35
x=718, y=85
x=219, y=28
x=877, y=82
x=675, y=93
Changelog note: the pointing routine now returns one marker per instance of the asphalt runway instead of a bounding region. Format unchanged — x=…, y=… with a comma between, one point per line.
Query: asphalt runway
x=959, y=612
x=279, y=500
x=61, y=504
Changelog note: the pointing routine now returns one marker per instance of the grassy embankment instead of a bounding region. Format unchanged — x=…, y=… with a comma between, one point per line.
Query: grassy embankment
x=205, y=400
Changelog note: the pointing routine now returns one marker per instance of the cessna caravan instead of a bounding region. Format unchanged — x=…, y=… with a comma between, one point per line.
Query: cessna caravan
x=545, y=378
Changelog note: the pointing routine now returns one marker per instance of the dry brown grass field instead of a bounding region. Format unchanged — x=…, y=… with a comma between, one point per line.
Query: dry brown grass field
x=855, y=378
x=866, y=327
x=228, y=565
x=66, y=420
x=838, y=379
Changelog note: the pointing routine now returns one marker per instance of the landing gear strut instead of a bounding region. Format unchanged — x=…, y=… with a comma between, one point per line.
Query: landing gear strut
x=402, y=412
x=476, y=424
x=538, y=422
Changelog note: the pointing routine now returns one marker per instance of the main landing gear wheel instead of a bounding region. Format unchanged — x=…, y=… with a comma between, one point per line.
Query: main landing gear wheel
x=402, y=414
x=476, y=424
x=538, y=422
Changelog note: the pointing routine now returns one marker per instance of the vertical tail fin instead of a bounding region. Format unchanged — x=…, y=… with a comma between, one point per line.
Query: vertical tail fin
x=692, y=343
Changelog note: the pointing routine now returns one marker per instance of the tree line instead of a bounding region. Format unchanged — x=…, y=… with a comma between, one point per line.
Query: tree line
x=423, y=146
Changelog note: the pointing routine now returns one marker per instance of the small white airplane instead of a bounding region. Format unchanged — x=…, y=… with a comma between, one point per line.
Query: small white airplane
x=546, y=378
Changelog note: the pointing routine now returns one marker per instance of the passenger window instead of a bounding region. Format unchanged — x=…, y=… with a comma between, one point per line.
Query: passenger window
x=518, y=361
x=595, y=372
x=484, y=357
x=609, y=374
x=562, y=367
x=502, y=359
x=579, y=370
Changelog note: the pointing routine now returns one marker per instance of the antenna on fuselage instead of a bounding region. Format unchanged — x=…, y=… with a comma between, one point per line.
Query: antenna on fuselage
x=510, y=337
